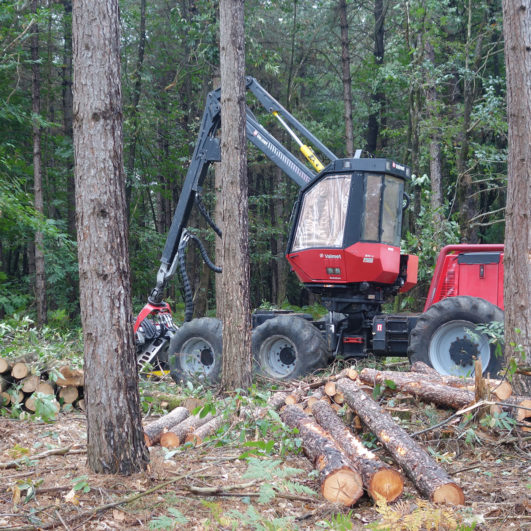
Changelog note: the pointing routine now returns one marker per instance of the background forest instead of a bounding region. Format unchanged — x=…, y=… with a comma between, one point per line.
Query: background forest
x=427, y=88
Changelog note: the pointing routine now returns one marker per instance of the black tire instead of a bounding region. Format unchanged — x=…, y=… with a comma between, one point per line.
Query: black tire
x=287, y=347
x=442, y=338
x=195, y=351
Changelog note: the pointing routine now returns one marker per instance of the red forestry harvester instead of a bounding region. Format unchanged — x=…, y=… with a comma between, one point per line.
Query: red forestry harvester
x=344, y=246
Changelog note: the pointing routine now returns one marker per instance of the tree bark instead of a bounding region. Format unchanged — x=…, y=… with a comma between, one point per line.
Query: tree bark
x=340, y=483
x=501, y=389
x=40, y=275
x=236, y=371
x=429, y=478
x=439, y=394
x=346, y=78
x=199, y=434
x=115, y=440
x=517, y=259
x=379, y=479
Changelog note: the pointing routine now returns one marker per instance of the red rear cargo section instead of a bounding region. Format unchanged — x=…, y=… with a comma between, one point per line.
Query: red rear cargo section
x=475, y=270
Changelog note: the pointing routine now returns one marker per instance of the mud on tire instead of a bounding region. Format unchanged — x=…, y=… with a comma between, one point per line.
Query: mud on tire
x=445, y=337
x=287, y=347
x=195, y=351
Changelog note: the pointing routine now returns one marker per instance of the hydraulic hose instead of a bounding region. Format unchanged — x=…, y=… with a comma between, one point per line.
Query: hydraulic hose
x=206, y=215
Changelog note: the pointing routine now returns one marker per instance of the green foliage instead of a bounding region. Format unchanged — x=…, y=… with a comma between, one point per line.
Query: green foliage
x=22, y=339
x=172, y=521
x=46, y=407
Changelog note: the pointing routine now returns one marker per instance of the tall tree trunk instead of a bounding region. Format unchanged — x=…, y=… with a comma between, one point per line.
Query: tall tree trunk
x=517, y=293
x=66, y=74
x=115, y=441
x=467, y=199
x=40, y=276
x=435, y=143
x=346, y=78
x=378, y=98
x=235, y=277
x=137, y=89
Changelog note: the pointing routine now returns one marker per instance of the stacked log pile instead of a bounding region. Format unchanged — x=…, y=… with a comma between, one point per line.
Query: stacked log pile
x=19, y=386
x=346, y=467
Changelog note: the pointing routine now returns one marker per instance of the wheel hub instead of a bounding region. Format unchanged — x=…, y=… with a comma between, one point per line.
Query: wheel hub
x=287, y=356
x=463, y=351
x=206, y=357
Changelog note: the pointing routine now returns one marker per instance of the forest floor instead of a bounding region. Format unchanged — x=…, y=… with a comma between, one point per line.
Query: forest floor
x=211, y=487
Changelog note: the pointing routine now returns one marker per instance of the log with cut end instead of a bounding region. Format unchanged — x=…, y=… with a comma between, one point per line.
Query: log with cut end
x=340, y=482
x=46, y=387
x=429, y=478
x=5, y=398
x=154, y=430
x=438, y=393
x=519, y=407
x=31, y=403
x=5, y=366
x=501, y=389
x=20, y=370
x=206, y=430
x=68, y=394
x=176, y=435
x=30, y=383
x=378, y=478
x=70, y=377
x=330, y=388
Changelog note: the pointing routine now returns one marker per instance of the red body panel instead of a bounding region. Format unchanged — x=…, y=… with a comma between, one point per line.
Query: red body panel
x=451, y=279
x=361, y=262
x=149, y=309
x=412, y=273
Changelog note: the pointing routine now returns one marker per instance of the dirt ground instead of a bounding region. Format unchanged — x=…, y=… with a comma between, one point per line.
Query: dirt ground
x=179, y=489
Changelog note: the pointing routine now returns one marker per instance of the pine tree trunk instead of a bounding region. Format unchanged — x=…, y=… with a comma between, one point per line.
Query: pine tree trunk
x=115, y=440
x=346, y=79
x=40, y=275
x=517, y=290
x=236, y=371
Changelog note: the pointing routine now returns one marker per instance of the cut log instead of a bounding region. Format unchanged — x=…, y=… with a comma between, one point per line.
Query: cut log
x=340, y=482
x=330, y=388
x=30, y=383
x=70, y=377
x=154, y=430
x=5, y=366
x=294, y=397
x=20, y=370
x=277, y=400
x=501, y=389
x=80, y=404
x=438, y=393
x=68, y=394
x=429, y=478
x=30, y=404
x=176, y=435
x=338, y=398
x=46, y=388
x=5, y=398
x=202, y=432
x=378, y=478
x=519, y=407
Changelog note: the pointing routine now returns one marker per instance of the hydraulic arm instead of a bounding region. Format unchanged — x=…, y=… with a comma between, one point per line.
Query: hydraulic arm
x=207, y=151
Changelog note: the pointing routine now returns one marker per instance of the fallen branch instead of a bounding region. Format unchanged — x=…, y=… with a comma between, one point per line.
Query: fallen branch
x=43, y=455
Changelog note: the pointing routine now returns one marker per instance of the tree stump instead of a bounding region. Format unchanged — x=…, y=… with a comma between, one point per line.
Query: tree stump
x=429, y=478
x=378, y=478
x=154, y=430
x=340, y=482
